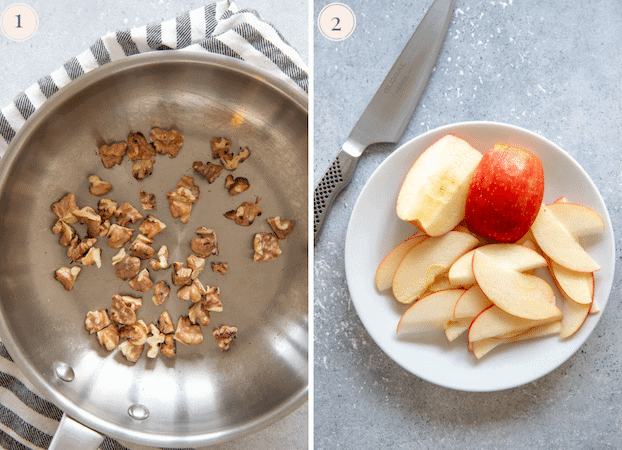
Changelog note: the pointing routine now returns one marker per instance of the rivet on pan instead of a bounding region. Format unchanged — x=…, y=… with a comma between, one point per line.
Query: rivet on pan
x=64, y=372
x=138, y=412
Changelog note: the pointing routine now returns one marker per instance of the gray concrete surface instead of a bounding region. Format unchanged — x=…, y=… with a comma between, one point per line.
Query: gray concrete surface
x=552, y=67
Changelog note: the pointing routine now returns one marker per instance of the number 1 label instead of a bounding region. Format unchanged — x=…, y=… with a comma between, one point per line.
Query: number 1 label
x=19, y=22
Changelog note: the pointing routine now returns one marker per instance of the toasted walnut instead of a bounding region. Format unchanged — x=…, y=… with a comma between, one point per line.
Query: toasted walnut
x=141, y=247
x=181, y=199
x=106, y=208
x=112, y=154
x=165, y=324
x=96, y=321
x=130, y=351
x=187, y=333
x=162, y=261
x=282, y=228
x=135, y=333
x=168, y=346
x=220, y=146
x=133, y=302
x=125, y=266
x=88, y=216
x=142, y=168
x=104, y=228
x=219, y=267
x=122, y=312
x=231, y=162
x=65, y=207
x=93, y=256
x=197, y=264
x=199, y=313
x=266, y=247
x=118, y=236
x=208, y=170
x=66, y=232
x=77, y=249
x=194, y=292
x=141, y=282
x=126, y=213
x=181, y=275
x=147, y=200
x=98, y=187
x=237, y=185
x=224, y=335
x=166, y=142
x=206, y=244
x=153, y=341
x=211, y=299
x=151, y=226
x=109, y=337
x=245, y=214
x=138, y=147
x=162, y=291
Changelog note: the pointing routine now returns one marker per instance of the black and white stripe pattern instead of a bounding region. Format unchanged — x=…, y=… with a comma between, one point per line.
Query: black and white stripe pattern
x=218, y=28
x=28, y=421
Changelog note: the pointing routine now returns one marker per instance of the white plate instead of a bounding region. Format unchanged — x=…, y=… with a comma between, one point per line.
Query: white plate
x=374, y=229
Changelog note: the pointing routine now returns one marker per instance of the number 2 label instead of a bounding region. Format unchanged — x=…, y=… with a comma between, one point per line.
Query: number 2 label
x=336, y=21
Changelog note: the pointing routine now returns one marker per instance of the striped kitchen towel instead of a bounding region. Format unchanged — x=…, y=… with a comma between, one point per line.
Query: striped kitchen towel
x=27, y=420
x=220, y=28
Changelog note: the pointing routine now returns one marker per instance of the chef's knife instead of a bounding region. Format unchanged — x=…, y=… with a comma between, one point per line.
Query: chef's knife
x=387, y=115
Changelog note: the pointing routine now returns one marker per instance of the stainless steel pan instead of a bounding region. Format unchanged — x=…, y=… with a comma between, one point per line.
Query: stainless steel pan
x=204, y=395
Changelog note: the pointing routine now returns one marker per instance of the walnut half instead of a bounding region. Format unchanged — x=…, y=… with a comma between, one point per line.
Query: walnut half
x=224, y=335
x=209, y=170
x=245, y=214
x=266, y=247
x=98, y=187
x=236, y=185
x=67, y=276
x=96, y=321
x=282, y=228
x=187, y=333
x=182, y=197
x=206, y=244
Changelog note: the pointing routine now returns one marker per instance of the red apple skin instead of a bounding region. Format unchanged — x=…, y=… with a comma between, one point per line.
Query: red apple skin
x=505, y=193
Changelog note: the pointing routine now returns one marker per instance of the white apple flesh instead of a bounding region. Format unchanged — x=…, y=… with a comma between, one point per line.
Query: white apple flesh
x=493, y=321
x=388, y=266
x=430, y=312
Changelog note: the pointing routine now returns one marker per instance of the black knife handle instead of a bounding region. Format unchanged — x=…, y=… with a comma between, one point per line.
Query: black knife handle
x=332, y=182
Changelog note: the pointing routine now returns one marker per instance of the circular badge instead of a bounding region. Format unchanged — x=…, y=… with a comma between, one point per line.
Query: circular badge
x=19, y=22
x=336, y=21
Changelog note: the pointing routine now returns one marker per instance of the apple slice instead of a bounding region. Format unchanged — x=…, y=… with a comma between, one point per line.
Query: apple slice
x=578, y=219
x=577, y=286
x=426, y=260
x=574, y=316
x=388, y=266
x=559, y=244
x=493, y=321
x=513, y=256
x=471, y=303
x=434, y=191
x=480, y=348
x=430, y=312
x=522, y=295
x=454, y=328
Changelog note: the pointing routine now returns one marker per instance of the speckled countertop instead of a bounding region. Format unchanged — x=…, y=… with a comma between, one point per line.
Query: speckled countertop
x=551, y=67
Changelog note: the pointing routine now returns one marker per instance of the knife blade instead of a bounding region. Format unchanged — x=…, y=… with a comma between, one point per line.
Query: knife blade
x=390, y=110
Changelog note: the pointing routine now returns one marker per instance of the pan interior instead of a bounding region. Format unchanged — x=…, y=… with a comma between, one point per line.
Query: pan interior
x=204, y=394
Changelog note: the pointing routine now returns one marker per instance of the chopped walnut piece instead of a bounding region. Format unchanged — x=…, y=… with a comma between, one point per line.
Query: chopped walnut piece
x=208, y=170
x=197, y=264
x=282, y=228
x=153, y=341
x=147, y=200
x=187, y=333
x=199, y=313
x=162, y=291
x=266, y=247
x=182, y=197
x=166, y=142
x=65, y=207
x=106, y=208
x=141, y=247
x=142, y=168
x=122, y=312
x=118, y=236
x=141, y=282
x=93, y=256
x=211, y=299
x=88, y=216
x=224, y=335
x=112, y=154
x=162, y=261
x=194, y=292
x=126, y=213
x=104, y=228
x=135, y=333
x=133, y=302
x=77, y=249
x=219, y=267
x=245, y=214
x=220, y=146
x=181, y=275
x=96, y=321
x=98, y=187
x=65, y=230
x=130, y=351
x=165, y=324
x=231, y=162
x=168, y=346
x=151, y=226
x=125, y=266
x=109, y=337
x=237, y=185
x=138, y=147
x=206, y=244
